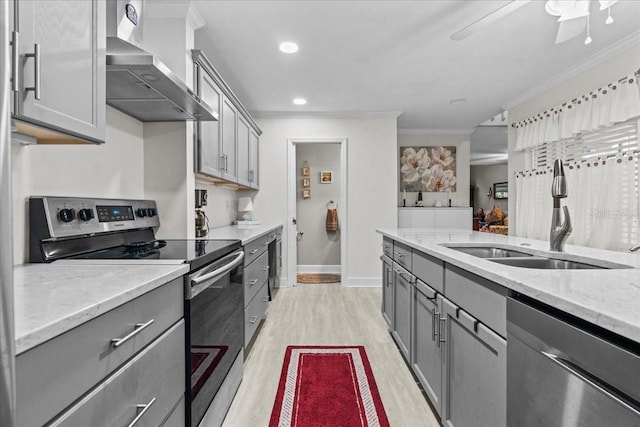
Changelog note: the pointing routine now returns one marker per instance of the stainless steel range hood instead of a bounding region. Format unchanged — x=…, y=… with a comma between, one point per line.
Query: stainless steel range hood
x=138, y=84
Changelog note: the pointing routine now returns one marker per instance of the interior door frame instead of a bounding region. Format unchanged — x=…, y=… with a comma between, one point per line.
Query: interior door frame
x=292, y=178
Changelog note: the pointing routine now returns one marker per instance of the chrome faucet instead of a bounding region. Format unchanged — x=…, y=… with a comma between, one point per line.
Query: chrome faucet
x=559, y=231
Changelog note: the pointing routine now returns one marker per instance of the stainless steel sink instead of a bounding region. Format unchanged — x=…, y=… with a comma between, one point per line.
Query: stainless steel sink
x=546, y=263
x=489, y=252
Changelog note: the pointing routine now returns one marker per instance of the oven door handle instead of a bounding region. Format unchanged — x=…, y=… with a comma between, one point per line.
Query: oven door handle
x=205, y=275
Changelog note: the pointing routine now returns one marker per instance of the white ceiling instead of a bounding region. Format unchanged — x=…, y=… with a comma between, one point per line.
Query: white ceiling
x=385, y=56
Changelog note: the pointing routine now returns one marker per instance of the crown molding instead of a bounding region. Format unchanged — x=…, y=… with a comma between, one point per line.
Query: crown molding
x=598, y=58
x=194, y=18
x=326, y=114
x=435, y=131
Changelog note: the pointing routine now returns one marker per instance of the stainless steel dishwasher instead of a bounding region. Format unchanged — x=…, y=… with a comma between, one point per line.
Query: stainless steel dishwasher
x=562, y=371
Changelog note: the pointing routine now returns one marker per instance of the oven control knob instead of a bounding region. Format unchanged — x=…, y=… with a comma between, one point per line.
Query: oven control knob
x=151, y=212
x=141, y=213
x=85, y=214
x=66, y=215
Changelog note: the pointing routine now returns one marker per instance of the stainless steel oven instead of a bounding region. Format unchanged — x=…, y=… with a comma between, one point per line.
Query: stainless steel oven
x=114, y=231
x=215, y=323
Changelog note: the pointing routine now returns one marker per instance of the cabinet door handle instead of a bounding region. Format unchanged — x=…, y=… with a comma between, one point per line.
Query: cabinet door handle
x=226, y=163
x=266, y=268
x=253, y=251
x=265, y=299
x=15, y=64
x=117, y=342
x=222, y=162
x=442, y=337
x=400, y=254
x=144, y=409
x=253, y=282
x=253, y=319
x=436, y=315
x=36, y=71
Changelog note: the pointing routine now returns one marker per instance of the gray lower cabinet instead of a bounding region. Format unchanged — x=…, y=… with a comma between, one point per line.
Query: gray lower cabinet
x=101, y=370
x=145, y=389
x=401, y=308
x=61, y=69
x=474, y=371
x=426, y=350
x=450, y=332
x=387, y=291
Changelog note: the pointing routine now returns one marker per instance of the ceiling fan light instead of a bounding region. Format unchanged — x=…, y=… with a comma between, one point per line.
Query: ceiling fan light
x=588, y=40
x=609, y=20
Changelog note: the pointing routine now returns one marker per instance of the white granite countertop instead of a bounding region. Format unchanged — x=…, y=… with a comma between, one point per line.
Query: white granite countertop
x=246, y=233
x=609, y=298
x=51, y=299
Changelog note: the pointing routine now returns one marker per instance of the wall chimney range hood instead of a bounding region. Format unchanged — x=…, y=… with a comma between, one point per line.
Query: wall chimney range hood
x=138, y=84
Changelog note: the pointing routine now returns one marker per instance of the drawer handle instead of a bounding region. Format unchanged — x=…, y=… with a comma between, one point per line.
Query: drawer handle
x=265, y=299
x=253, y=319
x=400, y=255
x=117, y=342
x=144, y=408
x=253, y=282
x=266, y=268
x=442, y=338
x=253, y=251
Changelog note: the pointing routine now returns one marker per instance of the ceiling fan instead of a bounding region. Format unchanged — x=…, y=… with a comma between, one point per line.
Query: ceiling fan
x=573, y=17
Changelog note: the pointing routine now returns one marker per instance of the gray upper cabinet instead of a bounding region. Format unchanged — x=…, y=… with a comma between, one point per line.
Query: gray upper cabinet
x=474, y=371
x=208, y=148
x=227, y=150
x=61, y=71
x=229, y=136
x=253, y=159
x=243, y=152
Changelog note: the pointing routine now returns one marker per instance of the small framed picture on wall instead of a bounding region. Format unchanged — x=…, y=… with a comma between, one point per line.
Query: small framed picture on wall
x=306, y=170
x=306, y=193
x=326, y=177
x=306, y=182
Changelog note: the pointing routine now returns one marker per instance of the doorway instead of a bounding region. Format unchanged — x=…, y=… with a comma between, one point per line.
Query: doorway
x=317, y=183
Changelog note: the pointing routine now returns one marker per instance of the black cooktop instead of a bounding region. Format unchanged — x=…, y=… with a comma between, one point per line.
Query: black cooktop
x=194, y=252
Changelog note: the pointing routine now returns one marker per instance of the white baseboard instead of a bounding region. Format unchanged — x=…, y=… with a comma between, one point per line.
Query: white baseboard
x=333, y=269
x=364, y=282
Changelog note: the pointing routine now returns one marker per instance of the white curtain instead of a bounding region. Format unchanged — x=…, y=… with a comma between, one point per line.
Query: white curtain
x=603, y=203
x=603, y=107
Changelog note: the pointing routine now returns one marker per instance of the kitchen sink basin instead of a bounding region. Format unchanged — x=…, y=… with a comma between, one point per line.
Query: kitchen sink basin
x=489, y=252
x=546, y=263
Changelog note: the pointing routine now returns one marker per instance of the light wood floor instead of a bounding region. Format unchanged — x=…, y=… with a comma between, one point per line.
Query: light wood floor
x=327, y=315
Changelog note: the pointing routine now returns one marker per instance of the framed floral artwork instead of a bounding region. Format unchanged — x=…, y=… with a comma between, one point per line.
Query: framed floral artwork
x=428, y=169
x=326, y=177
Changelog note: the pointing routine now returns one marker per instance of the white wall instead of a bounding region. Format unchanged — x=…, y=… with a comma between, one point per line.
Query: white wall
x=483, y=178
x=371, y=181
x=113, y=169
x=458, y=198
x=318, y=246
x=606, y=70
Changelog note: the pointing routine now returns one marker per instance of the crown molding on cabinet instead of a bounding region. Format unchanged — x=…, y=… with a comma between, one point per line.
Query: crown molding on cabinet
x=435, y=131
x=595, y=59
x=326, y=114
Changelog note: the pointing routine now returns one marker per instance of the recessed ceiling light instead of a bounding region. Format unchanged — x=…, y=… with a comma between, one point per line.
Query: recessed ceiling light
x=288, y=47
x=458, y=101
x=299, y=101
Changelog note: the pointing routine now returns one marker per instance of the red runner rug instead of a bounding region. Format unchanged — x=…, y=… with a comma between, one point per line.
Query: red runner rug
x=327, y=386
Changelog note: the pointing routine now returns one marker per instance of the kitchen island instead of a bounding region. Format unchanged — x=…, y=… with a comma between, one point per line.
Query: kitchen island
x=452, y=299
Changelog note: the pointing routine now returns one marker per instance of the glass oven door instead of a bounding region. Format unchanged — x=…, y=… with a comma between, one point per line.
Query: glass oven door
x=215, y=330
